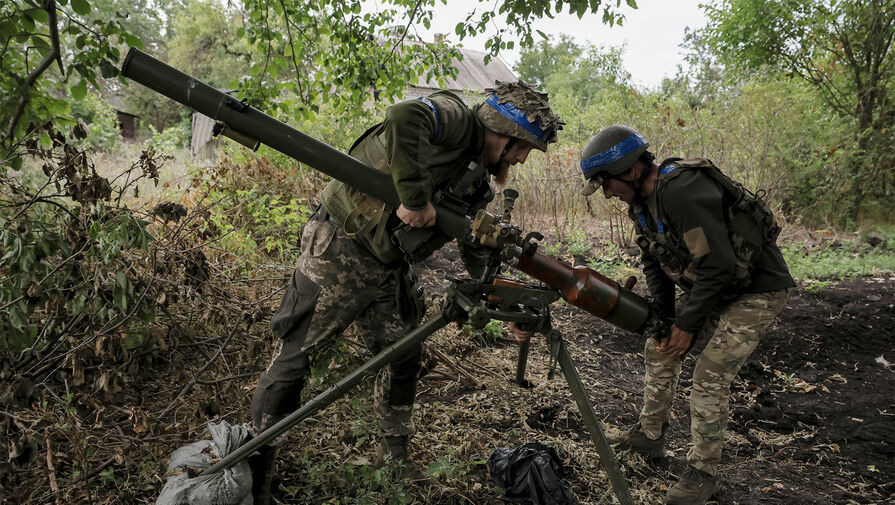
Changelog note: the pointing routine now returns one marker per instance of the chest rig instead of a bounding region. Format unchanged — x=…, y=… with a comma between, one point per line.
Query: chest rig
x=750, y=224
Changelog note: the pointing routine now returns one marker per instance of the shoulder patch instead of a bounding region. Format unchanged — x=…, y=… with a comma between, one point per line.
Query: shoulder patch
x=697, y=242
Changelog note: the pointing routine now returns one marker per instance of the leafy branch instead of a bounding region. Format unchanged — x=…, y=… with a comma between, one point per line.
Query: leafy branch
x=55, y=54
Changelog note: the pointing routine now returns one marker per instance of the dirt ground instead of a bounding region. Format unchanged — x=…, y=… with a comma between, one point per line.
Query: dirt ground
x=812, y=412
x=811, y=415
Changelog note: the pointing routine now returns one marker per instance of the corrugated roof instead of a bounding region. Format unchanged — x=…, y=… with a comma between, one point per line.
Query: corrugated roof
x=473, y=74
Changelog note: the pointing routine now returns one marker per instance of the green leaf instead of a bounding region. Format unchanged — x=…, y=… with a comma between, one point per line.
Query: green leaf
x=79, y=90
x=7, y=29
x=108, y=69
x=133, y=41
x=18, y=315
x=39, y=15
x=82, y=7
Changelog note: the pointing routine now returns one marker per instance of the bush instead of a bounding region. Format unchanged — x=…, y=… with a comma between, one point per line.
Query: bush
x=256, y=206
x=172, y=138
x=70, y=259
x=102, y=123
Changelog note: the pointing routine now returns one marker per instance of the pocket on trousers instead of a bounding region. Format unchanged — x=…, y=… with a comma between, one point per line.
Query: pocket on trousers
x=290, y=321
x=317, y=237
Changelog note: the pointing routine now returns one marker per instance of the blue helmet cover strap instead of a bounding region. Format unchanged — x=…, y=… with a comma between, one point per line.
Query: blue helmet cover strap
x=614, y=153
x=515, y=115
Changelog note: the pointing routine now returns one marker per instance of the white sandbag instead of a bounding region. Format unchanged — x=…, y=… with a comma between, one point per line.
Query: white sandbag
x=232, y=486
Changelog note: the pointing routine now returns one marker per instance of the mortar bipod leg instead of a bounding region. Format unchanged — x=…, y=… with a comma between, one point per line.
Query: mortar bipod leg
x=607, y=456
x=522, y=363
x=324, y=399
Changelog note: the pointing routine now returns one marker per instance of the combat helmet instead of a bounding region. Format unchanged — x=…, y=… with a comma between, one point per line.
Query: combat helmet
x=610, y=153
x=517, y=110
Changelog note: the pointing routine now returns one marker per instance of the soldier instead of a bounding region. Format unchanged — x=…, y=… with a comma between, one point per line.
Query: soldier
x=355, y=264
x=704, y=233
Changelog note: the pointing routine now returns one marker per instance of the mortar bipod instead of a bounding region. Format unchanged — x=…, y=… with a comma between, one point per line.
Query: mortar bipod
x=530, y=306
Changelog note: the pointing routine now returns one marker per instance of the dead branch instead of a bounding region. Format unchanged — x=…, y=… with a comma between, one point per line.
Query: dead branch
x=455, y=367
x=194, y=380
x=51, y=472
x=229, y=378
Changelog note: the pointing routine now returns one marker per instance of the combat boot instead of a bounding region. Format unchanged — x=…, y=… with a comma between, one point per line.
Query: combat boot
x=262, y=465
x=395, y=449
x=637, y=441
x=694, y=487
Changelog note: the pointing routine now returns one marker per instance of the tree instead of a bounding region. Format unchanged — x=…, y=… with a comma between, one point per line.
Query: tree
x=704, y=80
x=37, y=71
x=543, y=60
x=582, y=71
x=842, y=47
x=339, y=50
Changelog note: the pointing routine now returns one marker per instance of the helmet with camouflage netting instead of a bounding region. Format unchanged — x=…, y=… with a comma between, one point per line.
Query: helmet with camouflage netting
x=610, y=153
x=517, y=110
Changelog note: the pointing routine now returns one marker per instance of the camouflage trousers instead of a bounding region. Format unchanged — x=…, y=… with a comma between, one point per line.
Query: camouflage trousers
x=733, y=332
x=336, y=283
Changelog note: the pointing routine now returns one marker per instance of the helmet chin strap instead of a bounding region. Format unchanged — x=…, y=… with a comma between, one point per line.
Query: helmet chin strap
x=637, y=184
x=493, y=169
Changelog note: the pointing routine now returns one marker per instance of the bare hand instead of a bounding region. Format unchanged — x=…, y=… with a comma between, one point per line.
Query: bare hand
x=522, y=336
x=677, y=344
x=417, y=218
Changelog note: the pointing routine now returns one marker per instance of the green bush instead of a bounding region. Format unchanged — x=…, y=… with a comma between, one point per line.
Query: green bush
x=255, y=207
x=172, y=138
x=101, y=119
x=69, y=259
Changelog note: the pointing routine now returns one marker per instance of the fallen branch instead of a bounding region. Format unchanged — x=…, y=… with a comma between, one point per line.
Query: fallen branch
x=51, y=472
x=230, y=378
x=455, y=367
x=186, y=389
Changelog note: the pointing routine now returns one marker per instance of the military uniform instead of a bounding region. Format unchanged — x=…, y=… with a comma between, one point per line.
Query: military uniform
x=687, y=243
x=352, y=270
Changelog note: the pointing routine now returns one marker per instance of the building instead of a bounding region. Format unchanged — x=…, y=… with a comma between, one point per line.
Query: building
x=473, y=77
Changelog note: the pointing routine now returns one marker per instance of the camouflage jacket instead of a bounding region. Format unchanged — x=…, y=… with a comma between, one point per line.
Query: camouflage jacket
x=423, y=144
x=691, y=208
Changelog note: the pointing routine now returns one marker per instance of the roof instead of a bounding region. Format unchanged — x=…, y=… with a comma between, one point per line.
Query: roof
x=473, y=74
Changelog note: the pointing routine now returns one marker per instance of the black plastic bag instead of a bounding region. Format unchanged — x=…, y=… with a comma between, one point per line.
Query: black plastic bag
x=531, y=474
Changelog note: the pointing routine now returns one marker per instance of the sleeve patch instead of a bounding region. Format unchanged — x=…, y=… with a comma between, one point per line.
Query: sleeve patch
x=696, y=242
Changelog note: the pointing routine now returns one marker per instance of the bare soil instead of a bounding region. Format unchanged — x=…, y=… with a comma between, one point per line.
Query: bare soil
x=812, y=413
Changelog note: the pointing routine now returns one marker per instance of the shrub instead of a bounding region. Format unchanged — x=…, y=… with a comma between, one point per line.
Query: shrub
x=102, y=123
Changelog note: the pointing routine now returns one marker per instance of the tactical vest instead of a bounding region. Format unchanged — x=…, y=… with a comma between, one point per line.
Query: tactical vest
x=750, y=224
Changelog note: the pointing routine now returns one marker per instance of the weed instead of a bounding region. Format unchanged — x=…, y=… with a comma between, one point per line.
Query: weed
x=838, y=260
x=488, y=335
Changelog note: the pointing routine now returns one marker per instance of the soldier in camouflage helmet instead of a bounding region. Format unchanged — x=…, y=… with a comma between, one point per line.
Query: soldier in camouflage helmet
x=355, y=264
x=702, y=232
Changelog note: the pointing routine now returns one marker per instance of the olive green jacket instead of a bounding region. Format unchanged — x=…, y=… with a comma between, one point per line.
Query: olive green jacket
x=423, y=144
x=692, y=207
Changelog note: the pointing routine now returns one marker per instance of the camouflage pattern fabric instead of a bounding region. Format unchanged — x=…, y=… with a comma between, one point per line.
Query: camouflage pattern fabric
x=336, y=283
x=534, y=104
x=733, y=332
